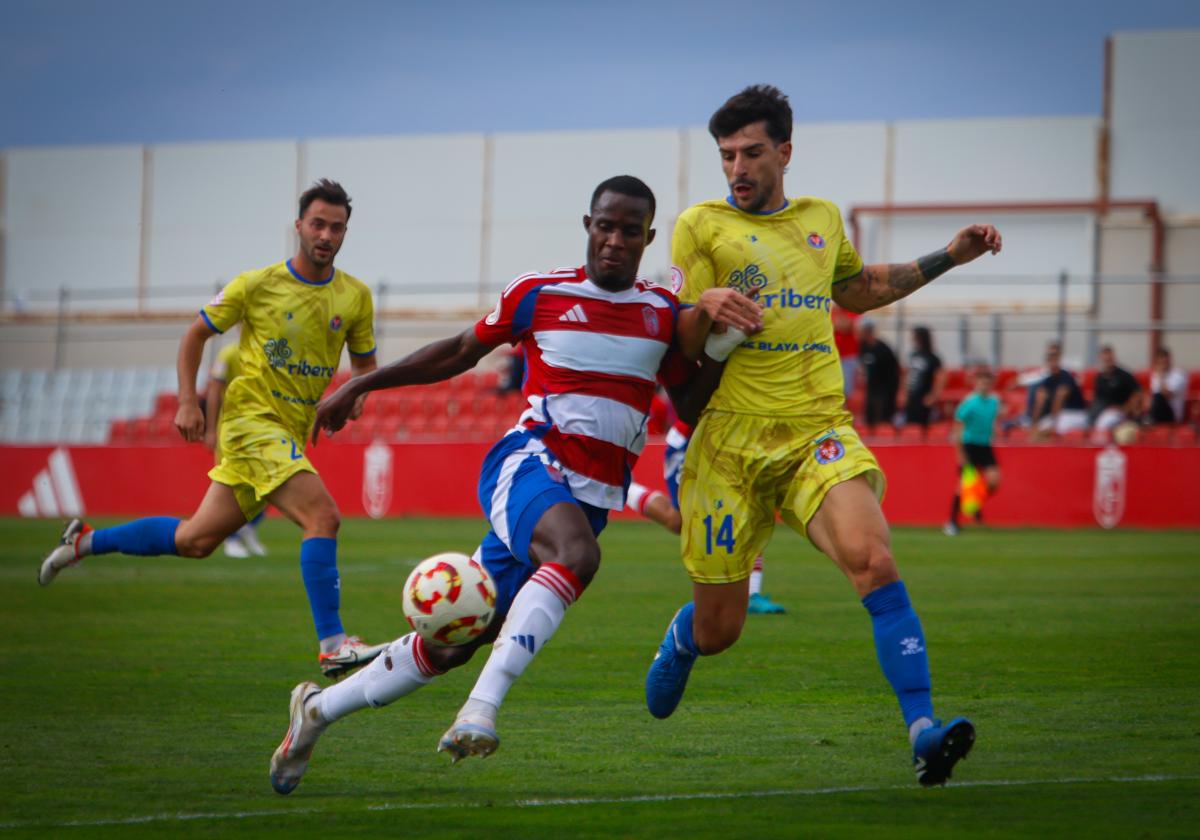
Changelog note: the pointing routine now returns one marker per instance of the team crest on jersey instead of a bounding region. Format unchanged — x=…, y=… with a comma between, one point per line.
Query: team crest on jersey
x=277, y=351
x=815, y=240
x=748, y=280
x=650, y=319
x=336, y=323
x=829, y=449
x=676, y=279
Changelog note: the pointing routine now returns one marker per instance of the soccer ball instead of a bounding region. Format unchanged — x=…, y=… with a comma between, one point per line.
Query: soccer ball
x=449, y=599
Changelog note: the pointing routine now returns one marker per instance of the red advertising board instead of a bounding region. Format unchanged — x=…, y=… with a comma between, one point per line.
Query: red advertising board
x=1077, y=486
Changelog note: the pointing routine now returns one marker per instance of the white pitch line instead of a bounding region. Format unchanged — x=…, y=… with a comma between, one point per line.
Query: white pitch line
x=587, y=800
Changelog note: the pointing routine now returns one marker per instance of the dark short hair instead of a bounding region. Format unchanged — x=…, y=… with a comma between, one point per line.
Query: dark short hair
x=754, y=104
x=624, y=185
x=331, y=192
x=923, y=339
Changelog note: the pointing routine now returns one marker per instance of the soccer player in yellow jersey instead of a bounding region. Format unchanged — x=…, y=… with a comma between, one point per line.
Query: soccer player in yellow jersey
x=225, y=369
x=296, y=317
x=776, y=437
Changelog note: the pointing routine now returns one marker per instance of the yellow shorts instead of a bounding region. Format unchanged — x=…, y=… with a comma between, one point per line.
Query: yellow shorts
x=741, y=469
x=256, y=458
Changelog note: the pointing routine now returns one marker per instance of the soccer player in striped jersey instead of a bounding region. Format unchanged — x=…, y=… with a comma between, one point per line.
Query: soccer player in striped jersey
x=776, y=438
x=596, y=339
x=296, y=318
x=663, y=509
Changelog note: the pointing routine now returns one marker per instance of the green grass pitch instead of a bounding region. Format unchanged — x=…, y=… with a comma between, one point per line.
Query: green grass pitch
x=143, y=697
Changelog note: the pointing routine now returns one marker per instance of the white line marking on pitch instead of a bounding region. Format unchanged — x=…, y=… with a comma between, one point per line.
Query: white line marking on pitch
x=585, y=800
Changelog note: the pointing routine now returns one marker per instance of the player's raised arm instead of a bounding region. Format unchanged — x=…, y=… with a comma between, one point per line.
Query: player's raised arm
x=434, y=362
x=360, y=366
x=189, y=419
x=880, y=284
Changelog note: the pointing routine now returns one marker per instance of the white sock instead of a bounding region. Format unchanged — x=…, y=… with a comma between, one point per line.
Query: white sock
x=83, y=546
x=535, y=614
x=918, y=726
x=401, y=669
x=756, y=576
x=637, y=497
x=331, y=643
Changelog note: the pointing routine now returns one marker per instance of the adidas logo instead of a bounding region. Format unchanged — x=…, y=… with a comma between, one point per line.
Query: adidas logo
x=55, y=490
x=527, y=642
x=575, y=313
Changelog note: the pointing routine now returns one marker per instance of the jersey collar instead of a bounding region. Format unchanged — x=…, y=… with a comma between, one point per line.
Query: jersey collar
x=733, y=204
x=332, y=271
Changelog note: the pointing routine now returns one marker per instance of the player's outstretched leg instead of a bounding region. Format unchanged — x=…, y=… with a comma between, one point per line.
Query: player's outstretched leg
x=938, y=748
x=535, y=615
x=402, y=668
x=66, y=553
x=668, y=674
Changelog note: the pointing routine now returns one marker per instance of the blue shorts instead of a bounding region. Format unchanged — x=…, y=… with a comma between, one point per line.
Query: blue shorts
x=676, y=451
x=518, y=483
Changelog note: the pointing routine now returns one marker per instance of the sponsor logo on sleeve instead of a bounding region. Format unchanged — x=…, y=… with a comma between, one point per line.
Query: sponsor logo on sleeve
x=829, y=448
x=815, y=240
x=677, y=279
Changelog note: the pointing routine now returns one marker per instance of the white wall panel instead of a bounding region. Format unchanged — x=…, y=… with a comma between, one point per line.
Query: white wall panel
x=543, y=183
x=217, y=209
x=72, y=220
x=1156, y=118
x=842, y=162
x=1043, y=159
x=417, y=214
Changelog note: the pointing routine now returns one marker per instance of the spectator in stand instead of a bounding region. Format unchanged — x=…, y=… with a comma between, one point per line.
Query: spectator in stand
x=926, y=377
x=1168, y=389
x=1057, y=404
x=847, y=346
x=882, y=374
x=1117, y=398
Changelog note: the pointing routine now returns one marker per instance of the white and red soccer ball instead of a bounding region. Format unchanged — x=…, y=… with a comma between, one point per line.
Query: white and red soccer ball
x=449, y=599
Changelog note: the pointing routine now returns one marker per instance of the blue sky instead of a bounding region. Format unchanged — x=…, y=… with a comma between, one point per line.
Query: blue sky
x=151, y=71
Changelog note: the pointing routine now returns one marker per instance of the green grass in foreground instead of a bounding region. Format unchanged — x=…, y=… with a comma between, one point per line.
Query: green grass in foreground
x=144, y=697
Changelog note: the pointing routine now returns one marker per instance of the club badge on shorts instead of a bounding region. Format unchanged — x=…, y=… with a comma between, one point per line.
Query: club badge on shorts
x=829, y=448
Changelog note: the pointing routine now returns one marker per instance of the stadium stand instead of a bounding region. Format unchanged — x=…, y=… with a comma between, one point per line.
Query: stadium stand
x=138, y=405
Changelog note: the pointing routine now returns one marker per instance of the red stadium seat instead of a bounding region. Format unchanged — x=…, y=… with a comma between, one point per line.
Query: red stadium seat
x=165, y=405
x=1005, y=378
x=1087, y=382
x=1185, y=436
x=1156, y=435
x=912, y=434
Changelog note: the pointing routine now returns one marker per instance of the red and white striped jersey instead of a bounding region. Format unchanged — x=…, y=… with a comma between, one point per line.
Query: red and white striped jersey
x=593, y=361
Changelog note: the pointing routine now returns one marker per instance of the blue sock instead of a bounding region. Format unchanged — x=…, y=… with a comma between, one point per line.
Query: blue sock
x=318, y=567
x=900, y=644
x=258, y=519
x=683, y=628
x=148, y=537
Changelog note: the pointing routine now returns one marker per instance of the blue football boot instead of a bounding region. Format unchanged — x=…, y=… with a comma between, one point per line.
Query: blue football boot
x=760, y=604
x=939, y=748
x=668, y=674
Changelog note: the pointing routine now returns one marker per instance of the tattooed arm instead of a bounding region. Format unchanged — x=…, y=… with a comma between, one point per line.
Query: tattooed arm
x=882, y=283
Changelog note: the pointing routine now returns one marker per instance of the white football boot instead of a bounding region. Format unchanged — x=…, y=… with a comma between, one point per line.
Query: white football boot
x=353, y=653
x=64, y=553
x=305, y=726
x=474, y=733
x=249, y=537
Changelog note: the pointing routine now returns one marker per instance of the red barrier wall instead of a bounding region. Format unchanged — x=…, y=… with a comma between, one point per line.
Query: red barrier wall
x=1042, y=485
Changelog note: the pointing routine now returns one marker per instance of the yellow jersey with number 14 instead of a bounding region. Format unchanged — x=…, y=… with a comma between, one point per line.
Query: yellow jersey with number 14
x=788, y=261
x=293, y=331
